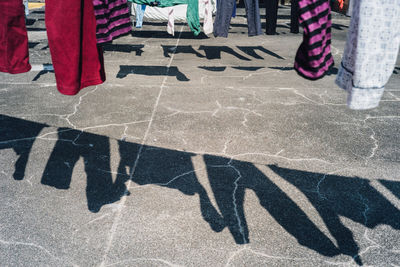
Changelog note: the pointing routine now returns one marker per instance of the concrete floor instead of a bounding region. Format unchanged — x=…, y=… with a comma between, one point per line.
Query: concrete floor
x=197, y=152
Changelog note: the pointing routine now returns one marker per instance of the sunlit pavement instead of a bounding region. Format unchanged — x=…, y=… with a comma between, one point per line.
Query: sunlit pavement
x=197, y=152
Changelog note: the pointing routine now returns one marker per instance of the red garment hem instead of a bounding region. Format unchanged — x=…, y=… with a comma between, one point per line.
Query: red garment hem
x=16, y=71
x=74, y=91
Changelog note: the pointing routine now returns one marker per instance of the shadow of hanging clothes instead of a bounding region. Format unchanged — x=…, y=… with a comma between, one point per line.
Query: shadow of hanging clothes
x=167, y=168
x=350, y=197
x=181, y=49
x=42, y=72
x=282, y=68
x=392, y=186
x=173, y=71
x=95, y=152
x=251, y=51
x=124, y=48
x=32, y=44
x=213, y=68
x=214, y=52
x=19, y=135
x=248, y=68
x=230, y=178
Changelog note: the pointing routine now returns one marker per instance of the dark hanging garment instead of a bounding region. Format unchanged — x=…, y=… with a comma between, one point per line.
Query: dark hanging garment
x=225, y=10
x=14, y=54
x=113, y=20
x=71, y=30
x=294, y=16
x=314, y=58
x=271, y=12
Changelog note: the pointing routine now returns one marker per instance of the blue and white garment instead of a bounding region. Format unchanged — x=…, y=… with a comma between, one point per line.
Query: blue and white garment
x=371, y=51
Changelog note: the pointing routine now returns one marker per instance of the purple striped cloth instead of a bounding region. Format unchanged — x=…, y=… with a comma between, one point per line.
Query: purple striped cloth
x=314, y=58
x=112, y=17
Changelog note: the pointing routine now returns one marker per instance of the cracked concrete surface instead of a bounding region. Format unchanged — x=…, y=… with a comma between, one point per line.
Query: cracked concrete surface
x=211, y=152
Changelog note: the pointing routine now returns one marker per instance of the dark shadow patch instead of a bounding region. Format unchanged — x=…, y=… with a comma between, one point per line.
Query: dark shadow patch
x=19, y=135
x=333, y=197
x=41, y=73
x=282, y=68
x=251, y=51
x=30, y=22
x=32, y=44
x=36, y=29
x=216, y=69
x=124, y=48
x=214, y=52
x=181, y=49
x=339, y=27
x=248, y=68
x=125, y=70
x=73, y=145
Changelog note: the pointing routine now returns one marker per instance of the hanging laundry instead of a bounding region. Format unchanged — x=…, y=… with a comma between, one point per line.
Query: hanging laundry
x=14, y=55
x=71, y=30
x=192, y=15
x=224, y=14
x=372, y=47
x=112, y=18
x=171, y=14
x=139, y=12
x=271, y=14
x=314, y=58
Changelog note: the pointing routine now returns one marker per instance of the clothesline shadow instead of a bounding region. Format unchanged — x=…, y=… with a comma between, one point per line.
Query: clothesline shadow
x=172, y=71
x=333, y=197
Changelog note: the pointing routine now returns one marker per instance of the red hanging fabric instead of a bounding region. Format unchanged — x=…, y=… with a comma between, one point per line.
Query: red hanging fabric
x=14, y=55
x=71, y=30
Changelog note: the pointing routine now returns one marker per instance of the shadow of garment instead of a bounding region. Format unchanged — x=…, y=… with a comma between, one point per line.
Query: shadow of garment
x=42, y=72
x=392, y=186
x=214, y=52
x=181, y=49
x=124, y=48
x=173, y=71
x=350, y=197
x=251, y=51
x=167, y=168
x=230, y=178
x=19, y=135
x=95, y=152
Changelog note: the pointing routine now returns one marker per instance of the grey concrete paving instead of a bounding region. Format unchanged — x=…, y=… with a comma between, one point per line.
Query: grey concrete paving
x=197, y=152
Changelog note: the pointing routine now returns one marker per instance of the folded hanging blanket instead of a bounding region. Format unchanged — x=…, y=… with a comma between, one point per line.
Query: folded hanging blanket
x=192, y=14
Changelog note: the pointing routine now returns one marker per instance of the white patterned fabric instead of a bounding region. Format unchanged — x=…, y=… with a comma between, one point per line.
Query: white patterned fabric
x=178, y=13
x=370, y=55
